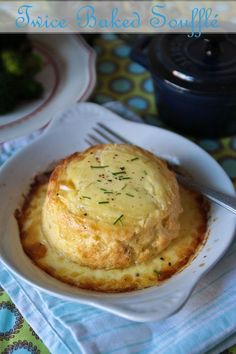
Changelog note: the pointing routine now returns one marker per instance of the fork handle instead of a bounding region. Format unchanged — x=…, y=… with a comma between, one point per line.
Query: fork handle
x=222, y=199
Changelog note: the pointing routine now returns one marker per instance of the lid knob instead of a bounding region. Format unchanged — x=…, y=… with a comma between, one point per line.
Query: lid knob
x=212, y=46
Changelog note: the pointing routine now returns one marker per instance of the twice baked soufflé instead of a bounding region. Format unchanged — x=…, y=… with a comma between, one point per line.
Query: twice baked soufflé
x=111, y=206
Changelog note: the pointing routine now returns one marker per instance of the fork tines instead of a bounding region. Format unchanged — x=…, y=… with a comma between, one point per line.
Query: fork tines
x=102, y=134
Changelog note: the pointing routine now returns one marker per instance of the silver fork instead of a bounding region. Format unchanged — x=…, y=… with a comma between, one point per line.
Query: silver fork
x=103, y=134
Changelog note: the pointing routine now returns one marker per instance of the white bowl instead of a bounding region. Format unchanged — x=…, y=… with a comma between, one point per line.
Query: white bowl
x=65, y=135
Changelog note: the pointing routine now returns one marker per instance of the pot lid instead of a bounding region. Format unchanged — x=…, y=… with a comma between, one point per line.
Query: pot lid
x=206, y=64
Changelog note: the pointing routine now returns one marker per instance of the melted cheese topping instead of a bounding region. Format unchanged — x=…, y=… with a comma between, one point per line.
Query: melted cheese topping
x=116, y=177
x=193, y=222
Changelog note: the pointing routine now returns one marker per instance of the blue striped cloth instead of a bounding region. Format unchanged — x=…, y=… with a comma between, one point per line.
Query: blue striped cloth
x=206, y=324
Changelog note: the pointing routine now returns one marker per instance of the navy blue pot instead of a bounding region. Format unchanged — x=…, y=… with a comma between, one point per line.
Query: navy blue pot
x=194, y=81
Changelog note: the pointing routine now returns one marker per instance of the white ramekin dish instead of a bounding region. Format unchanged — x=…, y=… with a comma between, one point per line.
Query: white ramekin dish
x=65, y=135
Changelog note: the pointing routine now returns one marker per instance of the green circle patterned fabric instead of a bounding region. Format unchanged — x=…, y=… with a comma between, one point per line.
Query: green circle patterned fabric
x=15, y=333
x=118, y=79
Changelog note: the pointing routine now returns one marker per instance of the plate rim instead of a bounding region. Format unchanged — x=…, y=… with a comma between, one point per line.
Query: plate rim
x=8, y=130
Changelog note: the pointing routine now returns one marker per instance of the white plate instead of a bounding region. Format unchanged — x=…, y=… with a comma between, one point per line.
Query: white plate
x=64, y=136
x=68, y=76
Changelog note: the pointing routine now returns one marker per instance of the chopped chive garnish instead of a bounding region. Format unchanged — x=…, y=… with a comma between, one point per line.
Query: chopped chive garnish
x=118, y=173
x=98, y=180
x=118, y=219
x=121, y=179
x=124, y=187
x=99, y=166
x=84, y=196
x=130, y=195
x=145, y=172
x=107, y=192
x=157, y=272
x=135, y=158
x=105, y=202
x=103, y=189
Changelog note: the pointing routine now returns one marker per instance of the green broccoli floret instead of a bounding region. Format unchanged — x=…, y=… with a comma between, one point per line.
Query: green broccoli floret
x=8, y=93
x=13, y=62
x=30, y=89
x=34, y=64
x=18, y=66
